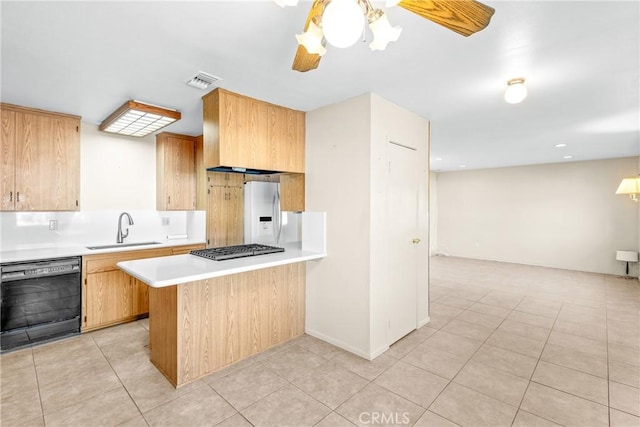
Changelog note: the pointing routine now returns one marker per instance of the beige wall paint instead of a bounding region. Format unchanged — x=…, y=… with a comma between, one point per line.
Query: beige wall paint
x=563, y=215
x=117, y=172
x=337, y=182
x=346, y=173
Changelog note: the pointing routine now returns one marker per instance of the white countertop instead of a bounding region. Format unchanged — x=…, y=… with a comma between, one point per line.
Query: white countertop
x=30, y=254
x=177, y=269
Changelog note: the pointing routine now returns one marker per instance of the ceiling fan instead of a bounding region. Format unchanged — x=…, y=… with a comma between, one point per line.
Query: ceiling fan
x=341, y=23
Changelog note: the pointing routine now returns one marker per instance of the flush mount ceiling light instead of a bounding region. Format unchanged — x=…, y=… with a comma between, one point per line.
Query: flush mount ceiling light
x=341, y=23
x=630, y=186
x=516, y=91
x=135, y=118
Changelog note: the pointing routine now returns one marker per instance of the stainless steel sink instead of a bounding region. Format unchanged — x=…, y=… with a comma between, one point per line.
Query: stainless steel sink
x=122, y=245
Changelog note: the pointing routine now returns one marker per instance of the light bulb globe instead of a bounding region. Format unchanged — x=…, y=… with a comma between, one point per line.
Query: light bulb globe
x=342, y=23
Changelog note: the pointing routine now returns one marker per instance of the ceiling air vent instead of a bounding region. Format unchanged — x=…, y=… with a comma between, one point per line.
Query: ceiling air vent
x=203, y=80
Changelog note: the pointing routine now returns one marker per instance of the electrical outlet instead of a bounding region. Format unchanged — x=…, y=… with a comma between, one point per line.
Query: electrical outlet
x=53, y=224
x=165, y=220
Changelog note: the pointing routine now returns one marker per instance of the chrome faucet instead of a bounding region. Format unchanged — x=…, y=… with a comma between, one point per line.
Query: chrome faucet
x=121, y=236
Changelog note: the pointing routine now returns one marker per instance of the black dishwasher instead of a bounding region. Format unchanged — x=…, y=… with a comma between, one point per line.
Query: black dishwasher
x=40, y=301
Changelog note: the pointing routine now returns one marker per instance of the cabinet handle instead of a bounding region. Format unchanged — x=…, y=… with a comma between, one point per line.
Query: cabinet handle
x=17, y=196
x=11, y=196
x=168, y=200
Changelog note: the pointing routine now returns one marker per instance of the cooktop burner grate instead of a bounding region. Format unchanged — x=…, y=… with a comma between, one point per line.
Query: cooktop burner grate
x=237, y=251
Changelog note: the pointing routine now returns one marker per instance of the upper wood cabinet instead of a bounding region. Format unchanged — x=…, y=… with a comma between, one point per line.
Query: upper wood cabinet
x=40, y=160
x=244, y=132
x=292, y=192
x=175, y=172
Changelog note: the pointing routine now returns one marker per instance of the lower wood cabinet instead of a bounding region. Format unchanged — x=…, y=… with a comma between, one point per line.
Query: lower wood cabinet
x=111, y=296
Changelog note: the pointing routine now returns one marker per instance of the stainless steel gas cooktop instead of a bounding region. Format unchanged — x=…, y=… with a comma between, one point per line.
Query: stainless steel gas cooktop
x=237, y=251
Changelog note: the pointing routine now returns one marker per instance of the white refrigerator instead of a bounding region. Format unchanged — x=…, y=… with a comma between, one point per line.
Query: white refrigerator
x=264, y=222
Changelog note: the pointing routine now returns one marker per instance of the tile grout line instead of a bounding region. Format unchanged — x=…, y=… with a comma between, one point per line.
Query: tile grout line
x=119, y=379
x=470, y=357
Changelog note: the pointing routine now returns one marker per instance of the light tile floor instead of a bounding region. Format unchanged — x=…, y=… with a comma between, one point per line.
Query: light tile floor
x=507, y=345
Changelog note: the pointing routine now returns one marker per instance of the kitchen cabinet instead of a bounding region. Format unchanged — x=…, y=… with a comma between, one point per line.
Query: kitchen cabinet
x=40, y=160
x=292, y=192
x=244, y=132
x=225, y=210
x=109, y=295
x=175, y=172
x=291, y=189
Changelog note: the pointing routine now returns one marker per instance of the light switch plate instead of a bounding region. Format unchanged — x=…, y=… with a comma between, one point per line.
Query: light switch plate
x=53, y=224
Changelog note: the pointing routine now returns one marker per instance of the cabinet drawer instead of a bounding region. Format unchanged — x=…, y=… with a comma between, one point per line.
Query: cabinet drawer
x=107, y=262
x=181, y=250
x=222, y=179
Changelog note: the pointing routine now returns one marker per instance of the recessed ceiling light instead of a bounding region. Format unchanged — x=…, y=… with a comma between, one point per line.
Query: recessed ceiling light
x=463, y=166
x=560, y=145
x=569, y=156
x=437, y=159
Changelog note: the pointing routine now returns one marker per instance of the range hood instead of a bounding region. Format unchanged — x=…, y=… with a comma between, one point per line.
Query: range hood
x=230, y=169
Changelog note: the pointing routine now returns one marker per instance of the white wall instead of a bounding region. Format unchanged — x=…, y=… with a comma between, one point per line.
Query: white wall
x=392, y=123
x=338, y=181
x=433, y=213
x=563, y=215
x=117, y=172
x=346, y=172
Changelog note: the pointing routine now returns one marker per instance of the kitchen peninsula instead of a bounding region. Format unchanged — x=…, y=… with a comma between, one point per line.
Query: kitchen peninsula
x=205, y=314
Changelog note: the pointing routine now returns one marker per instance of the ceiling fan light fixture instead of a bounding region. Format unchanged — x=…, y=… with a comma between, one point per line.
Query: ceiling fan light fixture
x=342, y=22
x=312, y=39
x=516, y=91
x=383, y=32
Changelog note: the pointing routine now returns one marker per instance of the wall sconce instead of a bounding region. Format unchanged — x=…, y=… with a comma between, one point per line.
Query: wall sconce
x=135, y=118
x=630, y=186
x=627, y=256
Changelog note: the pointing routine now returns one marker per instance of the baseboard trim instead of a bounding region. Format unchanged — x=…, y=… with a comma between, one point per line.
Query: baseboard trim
x=341, y=344
x=423, y=322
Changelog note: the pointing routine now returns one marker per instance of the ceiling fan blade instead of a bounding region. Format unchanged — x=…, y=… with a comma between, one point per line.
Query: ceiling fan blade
x=305, y=61
x=462, y=16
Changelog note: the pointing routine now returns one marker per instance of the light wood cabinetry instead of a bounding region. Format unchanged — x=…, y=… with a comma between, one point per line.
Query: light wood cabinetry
x=175, y=172
x=292, y=192
x=244, y=132
x=200, y=327
x=110, y=295
x=40, y=160
x=225, y=210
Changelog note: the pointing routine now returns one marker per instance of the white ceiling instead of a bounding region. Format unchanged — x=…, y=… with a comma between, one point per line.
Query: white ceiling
x=581, y=60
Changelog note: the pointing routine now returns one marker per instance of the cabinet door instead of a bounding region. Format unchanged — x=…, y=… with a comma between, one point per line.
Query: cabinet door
x=224, y=179
x=216, y=217
x=140, y=302
x=109, y=298
x=292, y=192
x=235, y=216
x=7, y=160
x=47, y=162
x=178, y=184
x=225, y=217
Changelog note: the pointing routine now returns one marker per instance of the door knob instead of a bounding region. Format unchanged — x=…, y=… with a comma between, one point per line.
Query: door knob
x=416, y=241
